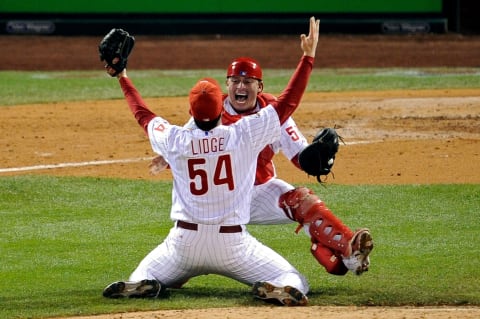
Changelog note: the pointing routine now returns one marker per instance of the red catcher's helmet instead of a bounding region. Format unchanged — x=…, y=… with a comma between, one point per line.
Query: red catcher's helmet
x=245, y=66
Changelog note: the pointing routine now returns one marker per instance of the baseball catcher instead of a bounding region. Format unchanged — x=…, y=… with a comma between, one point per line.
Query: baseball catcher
x=115, y=48
x=317, y=159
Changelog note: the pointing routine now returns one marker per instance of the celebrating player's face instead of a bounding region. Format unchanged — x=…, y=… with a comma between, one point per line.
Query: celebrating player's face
x=242, y=92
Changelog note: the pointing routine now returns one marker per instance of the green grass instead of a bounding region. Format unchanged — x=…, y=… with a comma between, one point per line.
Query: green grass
x=42, y=87
x=64, y=239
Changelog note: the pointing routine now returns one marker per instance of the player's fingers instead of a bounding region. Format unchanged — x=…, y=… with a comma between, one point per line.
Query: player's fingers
x=312, y=26
x=313, y=32
x=309, y=43
x=316, y=32
x=303, y=41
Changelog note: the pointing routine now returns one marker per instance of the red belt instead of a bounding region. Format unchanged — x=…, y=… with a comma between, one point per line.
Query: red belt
x=223, y=229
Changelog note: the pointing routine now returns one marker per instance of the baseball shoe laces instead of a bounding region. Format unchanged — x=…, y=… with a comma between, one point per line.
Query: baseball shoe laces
x=147, y=288
x=287, y=295
x=362, y=244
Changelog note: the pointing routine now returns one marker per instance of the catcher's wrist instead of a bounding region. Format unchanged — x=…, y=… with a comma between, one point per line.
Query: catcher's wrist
x=122, y=74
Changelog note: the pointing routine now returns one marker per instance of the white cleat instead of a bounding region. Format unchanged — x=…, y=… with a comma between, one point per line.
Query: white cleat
x=362, y=244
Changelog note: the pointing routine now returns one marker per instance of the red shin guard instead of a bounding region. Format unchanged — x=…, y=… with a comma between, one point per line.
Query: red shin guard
x=303, y=206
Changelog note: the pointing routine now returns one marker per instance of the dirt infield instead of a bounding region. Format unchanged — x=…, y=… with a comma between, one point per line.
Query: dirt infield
x=392, y=137
x=419, y=137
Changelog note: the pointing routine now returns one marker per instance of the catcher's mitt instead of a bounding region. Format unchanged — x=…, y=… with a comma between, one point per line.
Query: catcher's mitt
x=317, y=158
x=115, y=48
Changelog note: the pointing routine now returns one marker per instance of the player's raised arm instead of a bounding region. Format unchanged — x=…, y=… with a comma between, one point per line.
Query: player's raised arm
x=290, y=98
x=114, y=49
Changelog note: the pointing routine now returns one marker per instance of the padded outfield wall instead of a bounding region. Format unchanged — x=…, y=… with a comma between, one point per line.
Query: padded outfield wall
x=220, y=16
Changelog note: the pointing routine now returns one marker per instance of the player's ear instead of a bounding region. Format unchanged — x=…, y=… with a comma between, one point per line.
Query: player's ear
x=260, y=86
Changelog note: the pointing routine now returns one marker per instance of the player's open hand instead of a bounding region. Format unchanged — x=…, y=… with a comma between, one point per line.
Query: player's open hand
x=309, y=43
x=157, y=165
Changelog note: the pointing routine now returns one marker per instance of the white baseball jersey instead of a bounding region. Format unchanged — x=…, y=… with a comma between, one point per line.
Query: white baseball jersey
x=214, y=171
x=291, y=140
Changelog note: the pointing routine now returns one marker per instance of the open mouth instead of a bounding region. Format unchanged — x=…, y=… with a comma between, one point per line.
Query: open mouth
x=241, y=97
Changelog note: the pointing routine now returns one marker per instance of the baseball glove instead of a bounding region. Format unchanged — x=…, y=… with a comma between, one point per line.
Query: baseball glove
x=115, y=48
x=317, y=159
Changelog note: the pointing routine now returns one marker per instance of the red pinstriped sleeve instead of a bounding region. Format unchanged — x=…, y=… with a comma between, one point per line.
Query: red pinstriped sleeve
x=290, y=98
x=136, y=104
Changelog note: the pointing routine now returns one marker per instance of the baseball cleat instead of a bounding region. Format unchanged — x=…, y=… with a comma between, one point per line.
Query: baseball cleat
x=362, y=244
x=147, y=288
x=287, y=295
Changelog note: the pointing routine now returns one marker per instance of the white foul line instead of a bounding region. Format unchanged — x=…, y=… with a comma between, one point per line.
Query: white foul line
x=80, y=164
x=362, y=142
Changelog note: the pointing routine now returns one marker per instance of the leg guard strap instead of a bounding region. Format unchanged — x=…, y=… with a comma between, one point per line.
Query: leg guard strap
x=333, y=264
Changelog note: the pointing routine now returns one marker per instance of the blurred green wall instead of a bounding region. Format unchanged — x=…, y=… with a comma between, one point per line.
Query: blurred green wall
x=220, y=6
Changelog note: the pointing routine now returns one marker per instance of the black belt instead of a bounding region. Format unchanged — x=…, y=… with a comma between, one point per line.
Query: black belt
x=223, y=229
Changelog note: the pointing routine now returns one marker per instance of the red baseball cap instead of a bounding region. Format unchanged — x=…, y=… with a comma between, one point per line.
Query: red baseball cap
x=246, y=67
x=206, y=103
